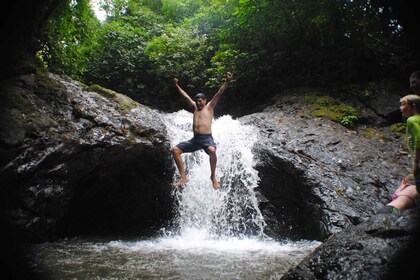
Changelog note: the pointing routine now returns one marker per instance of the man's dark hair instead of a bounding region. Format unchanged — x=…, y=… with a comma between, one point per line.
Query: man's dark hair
x=200, y=95
x=415, y=74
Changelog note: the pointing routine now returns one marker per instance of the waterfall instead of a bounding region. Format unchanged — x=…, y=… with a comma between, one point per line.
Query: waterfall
x=231, y=211
x=217, y=234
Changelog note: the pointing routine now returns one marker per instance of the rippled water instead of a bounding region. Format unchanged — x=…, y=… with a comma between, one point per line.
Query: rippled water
x=216, y=234
x=170, y=258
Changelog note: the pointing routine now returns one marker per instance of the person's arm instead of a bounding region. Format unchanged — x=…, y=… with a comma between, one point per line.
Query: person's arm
x=416, y=170
x=187, y=98
x=222, y=89
x=414, y=131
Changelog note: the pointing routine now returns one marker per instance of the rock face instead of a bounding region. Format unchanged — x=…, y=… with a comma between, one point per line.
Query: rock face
x=384, y=247
x=74, y=162
x=319, y=177
x=320, y=180
x=88, y=161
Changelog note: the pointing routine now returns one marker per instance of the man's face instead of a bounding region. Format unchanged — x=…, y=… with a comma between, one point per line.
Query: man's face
x=200, y=102
x=415, y=85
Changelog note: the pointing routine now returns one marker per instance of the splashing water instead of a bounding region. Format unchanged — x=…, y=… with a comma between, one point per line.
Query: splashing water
x=218, y=234
x=232, y=211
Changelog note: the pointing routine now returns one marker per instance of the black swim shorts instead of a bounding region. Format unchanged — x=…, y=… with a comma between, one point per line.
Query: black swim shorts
x=199, y=141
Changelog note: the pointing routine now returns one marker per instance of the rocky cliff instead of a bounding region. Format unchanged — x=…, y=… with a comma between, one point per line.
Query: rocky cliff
x=78, y=160
x=322, y=180
x=320, y=176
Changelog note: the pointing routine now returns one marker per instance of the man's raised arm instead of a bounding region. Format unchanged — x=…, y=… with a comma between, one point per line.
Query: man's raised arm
x=222, y=89
x=187, y=98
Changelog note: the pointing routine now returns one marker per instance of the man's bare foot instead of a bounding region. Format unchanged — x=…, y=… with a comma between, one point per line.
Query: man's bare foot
x=215, y=183
x=180, y=182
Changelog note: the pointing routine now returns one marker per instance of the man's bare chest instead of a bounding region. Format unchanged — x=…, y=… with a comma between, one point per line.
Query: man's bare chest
x=203, y=115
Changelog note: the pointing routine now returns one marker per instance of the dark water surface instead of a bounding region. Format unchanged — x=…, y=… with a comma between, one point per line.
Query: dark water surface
x=169, y=258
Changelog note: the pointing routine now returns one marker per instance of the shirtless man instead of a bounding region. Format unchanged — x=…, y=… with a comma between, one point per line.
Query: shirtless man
x=203, y=139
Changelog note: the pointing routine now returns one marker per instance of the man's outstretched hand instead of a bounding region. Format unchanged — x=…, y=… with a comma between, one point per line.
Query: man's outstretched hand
x=229, y=75
x=176, y=81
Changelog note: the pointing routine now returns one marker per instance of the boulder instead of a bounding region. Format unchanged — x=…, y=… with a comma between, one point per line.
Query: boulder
x=321, y=180
x=79, y=162
x=317, y=176
x=386, y=246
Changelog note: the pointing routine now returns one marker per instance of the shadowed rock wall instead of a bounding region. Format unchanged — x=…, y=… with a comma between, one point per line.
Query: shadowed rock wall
x=320, y=180
x=75, y=162
x=20, y=22
x=384, y=247
x=319, y=177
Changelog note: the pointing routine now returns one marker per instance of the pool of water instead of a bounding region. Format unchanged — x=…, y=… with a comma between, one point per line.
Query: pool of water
x=168, y=258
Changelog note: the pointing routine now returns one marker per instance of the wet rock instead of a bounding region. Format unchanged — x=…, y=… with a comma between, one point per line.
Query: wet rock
x=319, y=176
x=386, y=246
x=77, y=162
x=320, y=180
x=74, y=162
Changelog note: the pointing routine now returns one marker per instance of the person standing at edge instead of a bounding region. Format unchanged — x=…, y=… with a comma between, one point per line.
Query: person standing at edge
x=410, y=108
x=415, y=82
x=203, y=139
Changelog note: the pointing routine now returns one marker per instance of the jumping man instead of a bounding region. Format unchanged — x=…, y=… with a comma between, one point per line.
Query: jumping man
x=203, y=139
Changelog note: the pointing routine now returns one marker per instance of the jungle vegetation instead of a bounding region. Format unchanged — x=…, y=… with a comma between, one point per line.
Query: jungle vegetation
x=269, y=45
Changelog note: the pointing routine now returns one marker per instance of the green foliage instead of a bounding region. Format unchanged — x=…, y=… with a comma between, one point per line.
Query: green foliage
x=349, y=119
x=176, y=10
x=66, y=39
x=268, y=44
x=370, y=90
x=324, y=101
x=373, y=133
x=119, y=61
x=226, y=59
x=134, y=14
x=180, y=53
x=399, y=129
x=326, y=106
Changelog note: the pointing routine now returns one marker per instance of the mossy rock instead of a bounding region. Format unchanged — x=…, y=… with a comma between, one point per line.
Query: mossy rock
x=399, y=129
x=125, y=102
x=317, y=104
x=373, y=133
x=107, y=93
x=331, y=108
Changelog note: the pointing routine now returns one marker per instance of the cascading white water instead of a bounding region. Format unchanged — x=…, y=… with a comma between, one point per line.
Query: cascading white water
x=219, y=234
x=232, y=211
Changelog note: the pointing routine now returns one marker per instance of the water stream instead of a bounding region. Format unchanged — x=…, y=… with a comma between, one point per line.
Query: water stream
x=215, y=235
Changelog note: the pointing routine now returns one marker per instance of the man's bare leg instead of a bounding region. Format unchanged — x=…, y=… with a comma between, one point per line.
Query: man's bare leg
x=213, y=162
x=176, y=152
